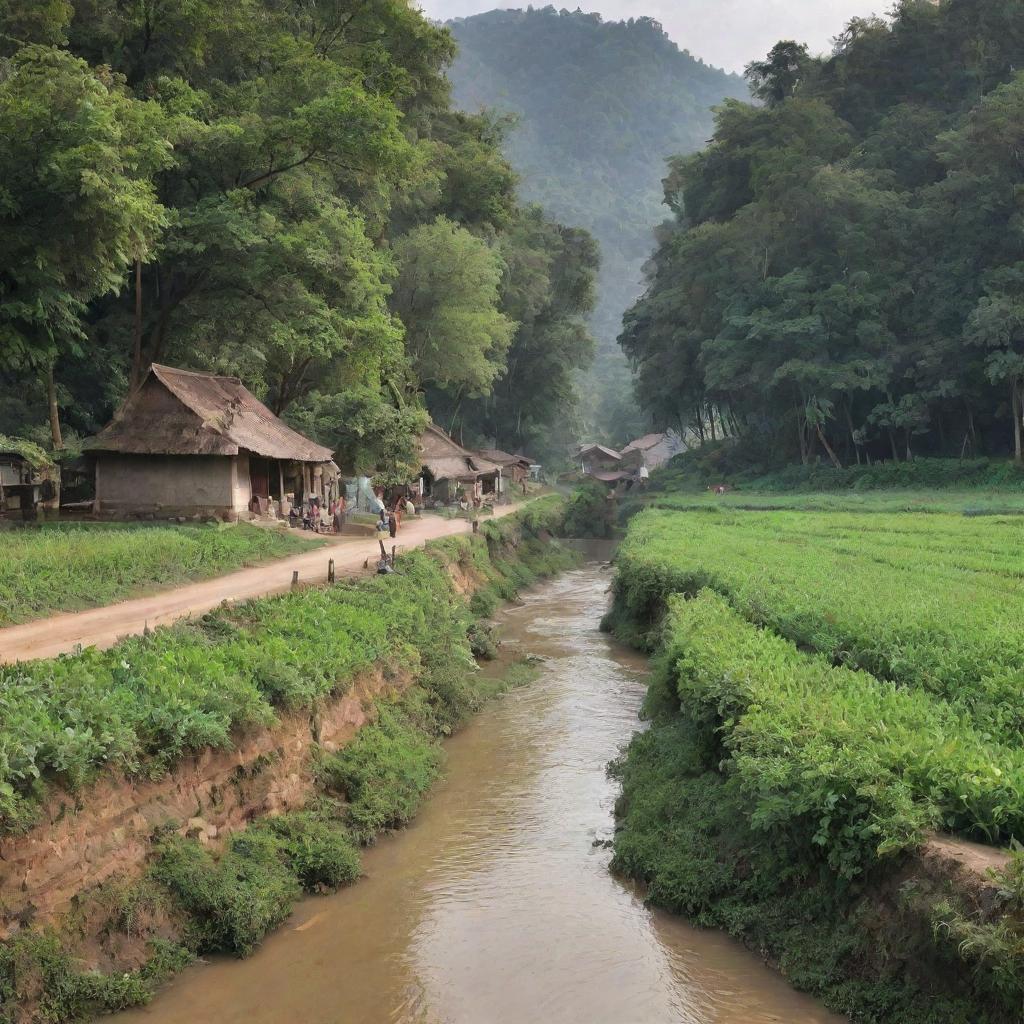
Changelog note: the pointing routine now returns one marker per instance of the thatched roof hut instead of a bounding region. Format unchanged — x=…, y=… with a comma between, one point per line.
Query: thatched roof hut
x=513, y=467
x=197, y=443
x=446, y=465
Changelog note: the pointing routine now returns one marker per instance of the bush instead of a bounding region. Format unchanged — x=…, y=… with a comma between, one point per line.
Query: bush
x=383, y=773
x=587, y=514
x=318, y=851
x=35, y=968
x=231, y=902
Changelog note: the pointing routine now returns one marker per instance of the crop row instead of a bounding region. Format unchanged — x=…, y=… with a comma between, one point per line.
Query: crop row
x=869, y=600
x=859, y=766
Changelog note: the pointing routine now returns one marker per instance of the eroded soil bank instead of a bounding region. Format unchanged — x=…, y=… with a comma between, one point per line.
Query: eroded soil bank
x=497, y=905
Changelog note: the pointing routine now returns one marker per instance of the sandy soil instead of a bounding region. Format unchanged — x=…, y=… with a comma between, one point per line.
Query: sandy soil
x=103, y=627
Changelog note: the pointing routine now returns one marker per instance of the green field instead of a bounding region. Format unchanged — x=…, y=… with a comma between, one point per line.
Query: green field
x=67, y=567
x=963, y=502
x=831, y=689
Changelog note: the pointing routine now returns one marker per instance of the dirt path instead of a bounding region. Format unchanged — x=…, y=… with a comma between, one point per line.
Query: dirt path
x=103, y=627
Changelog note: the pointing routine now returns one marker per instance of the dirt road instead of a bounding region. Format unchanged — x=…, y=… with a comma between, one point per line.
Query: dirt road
x=103, y=627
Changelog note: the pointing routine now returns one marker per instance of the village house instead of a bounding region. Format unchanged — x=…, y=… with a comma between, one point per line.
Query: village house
x=652, y=450
x=596, y=458
x=197, y=444
x=447, y=467
x=514, y=468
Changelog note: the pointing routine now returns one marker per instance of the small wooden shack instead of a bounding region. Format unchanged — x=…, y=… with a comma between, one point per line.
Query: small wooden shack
x=652, y=450
x=514, y=468
x=596, y=458
x=188, y=444
x=447, y=467
x=29, y=478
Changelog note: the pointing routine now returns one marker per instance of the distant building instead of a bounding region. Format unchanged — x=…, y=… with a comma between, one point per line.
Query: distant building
x=514, y=468
x=595, y=458
x=447, y=467
x=652, y=450
x=186, y=443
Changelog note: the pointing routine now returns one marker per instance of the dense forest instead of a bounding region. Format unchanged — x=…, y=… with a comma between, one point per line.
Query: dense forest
x=595, y=107
x=279, y=190
x=843, y=276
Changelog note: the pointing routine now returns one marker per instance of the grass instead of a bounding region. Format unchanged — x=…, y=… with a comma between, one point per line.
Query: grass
x=830, y=689
x=978, y=502
x=66, y=567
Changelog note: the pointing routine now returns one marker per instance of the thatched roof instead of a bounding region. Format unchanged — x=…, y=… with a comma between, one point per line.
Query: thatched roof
x=503, y=459
x=180, y=412
x=448, y=460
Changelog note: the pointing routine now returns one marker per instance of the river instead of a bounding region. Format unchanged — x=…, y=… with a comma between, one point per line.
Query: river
x=496, y=906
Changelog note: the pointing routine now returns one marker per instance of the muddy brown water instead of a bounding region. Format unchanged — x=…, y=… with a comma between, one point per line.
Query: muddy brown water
x=496, y=906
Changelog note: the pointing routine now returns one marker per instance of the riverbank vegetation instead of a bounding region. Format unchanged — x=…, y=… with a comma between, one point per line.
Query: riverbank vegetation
x=837, y=282
x=146, y=702
x=831, y=690
x=53, y=568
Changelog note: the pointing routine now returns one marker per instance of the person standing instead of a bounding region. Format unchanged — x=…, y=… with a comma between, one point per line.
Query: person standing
x=383, y=532
x=339, y=514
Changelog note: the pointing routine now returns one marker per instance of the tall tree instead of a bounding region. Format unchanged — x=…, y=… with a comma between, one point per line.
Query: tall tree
x=77, y=205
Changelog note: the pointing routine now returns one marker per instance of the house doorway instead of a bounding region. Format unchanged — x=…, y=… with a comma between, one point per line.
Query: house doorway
x=259, y=477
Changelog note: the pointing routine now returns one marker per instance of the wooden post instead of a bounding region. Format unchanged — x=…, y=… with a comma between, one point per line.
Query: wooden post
x=330, y=570
x=295, y=577
x=476, y=525
x=394, y=549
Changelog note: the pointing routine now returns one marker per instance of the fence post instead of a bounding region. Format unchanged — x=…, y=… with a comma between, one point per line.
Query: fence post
x=295, y=577
x=330, y=570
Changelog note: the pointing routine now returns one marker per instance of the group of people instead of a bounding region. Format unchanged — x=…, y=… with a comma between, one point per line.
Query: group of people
x=321, y=518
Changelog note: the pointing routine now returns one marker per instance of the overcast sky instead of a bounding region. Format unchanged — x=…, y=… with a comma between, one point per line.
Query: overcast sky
x=726, y=33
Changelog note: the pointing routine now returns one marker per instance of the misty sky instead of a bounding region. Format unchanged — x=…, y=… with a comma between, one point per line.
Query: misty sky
x=726, y=33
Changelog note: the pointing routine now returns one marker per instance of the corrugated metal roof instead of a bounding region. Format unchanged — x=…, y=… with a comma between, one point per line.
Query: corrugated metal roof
x=210, y=415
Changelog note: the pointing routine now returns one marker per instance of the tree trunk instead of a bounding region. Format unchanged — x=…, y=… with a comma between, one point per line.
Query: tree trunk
x=51, y=400
x=136, y=375
x=802, y=439
x=711, y=420
x=892, y=444
x=828, y=448
x=1016, y=420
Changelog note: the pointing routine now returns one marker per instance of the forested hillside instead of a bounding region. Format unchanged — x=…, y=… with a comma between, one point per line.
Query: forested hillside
x=278, y=190
x=843, y=278
x=597, y=106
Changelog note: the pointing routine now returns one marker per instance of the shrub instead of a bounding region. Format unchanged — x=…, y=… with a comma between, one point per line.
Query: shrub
x=383, y=773
x=231, y=902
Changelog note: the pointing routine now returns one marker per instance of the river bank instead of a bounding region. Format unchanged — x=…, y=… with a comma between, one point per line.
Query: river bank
x=496, y=904
x=105, y=897
x=815, y=779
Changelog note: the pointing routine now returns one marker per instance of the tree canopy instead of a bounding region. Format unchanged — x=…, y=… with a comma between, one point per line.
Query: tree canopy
x=249, y=186
x=841, y=277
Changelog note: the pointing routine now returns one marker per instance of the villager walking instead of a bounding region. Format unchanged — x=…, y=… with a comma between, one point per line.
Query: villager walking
x=383, y=532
